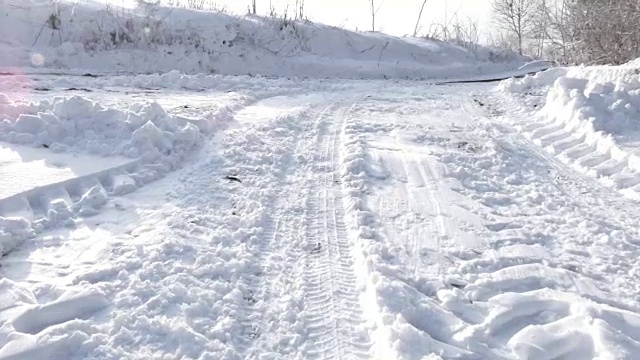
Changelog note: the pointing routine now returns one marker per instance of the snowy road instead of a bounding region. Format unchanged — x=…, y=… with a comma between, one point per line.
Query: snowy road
x=366, y=220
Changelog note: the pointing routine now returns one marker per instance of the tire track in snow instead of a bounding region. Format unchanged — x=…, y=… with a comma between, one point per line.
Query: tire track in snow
x=584, y=188
x=99, y=247
x=385, y=162
x=421, y=222
x=281, y=242
x=532, y=282
x=441, y=228
x=252, y=323
x=565, y=144
x=423, y=204
x=334, y=316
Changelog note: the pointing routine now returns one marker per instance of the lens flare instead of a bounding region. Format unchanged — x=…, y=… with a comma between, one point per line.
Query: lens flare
x=37, y=60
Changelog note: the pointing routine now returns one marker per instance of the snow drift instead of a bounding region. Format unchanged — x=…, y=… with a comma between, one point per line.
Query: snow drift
x=589, y=119
x=151, y=38
x=145, y=130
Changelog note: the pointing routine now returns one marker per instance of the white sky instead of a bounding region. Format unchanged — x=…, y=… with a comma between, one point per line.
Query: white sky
x=396, y=17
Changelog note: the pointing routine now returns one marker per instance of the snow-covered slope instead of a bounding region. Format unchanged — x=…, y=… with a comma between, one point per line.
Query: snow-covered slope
x=91, y=36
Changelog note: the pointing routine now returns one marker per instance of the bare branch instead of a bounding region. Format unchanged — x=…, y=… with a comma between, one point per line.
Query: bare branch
x=516, y=17
x=415, y=31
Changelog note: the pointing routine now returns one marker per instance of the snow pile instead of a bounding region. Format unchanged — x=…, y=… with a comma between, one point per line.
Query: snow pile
x=519, y=85
x=145, y=132
x=111, y=151
x=151, y=38
x=589, y=119
x=76, y=123
x=13, y=231
x=609, y=107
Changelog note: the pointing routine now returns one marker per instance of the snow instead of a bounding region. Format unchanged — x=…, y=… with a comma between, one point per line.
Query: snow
x=29, y=168
x=76, y=122
x=62, y=157
x=205, y=216
x=90, y=36
x=286, y=218
x=588, y=120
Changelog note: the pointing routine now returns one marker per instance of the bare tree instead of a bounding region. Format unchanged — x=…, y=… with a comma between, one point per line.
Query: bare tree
x=373, y=16
x=587, y=31
x=556, y=30
x=499, y=40
x=516, y=17
x=442, y=31
x=299, y=10
x=301, y=7
x=462, y=32
x=374, y=12
x=606, y=31
x=466, y=33
x=415, y=31
x=254, y=8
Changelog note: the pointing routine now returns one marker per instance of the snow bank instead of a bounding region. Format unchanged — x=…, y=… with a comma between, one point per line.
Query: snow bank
x=543, y=78
x=89, y=152
x=77, y=123
x=177, y=80
x=92, y=36
x=589, y=119
x=610, y=107
x=546, y=78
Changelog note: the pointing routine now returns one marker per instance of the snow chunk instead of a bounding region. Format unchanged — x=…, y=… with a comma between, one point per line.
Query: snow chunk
x=75, y=107
x=149, y=133
x=92, y=201
x=13, y=231
x=30, y=124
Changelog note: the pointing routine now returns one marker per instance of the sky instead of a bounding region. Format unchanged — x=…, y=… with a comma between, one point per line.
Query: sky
x=396, y=17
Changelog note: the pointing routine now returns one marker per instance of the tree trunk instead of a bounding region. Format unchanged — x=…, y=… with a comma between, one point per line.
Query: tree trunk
x=373, y=16
x=520, y=44
x=415, y=31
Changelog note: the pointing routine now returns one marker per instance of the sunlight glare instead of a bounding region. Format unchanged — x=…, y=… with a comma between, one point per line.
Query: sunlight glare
x=37, y=60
